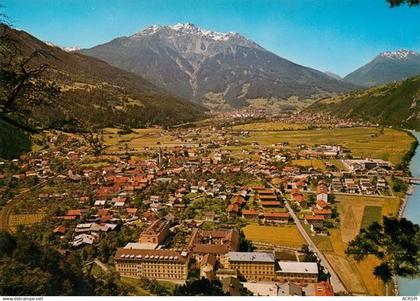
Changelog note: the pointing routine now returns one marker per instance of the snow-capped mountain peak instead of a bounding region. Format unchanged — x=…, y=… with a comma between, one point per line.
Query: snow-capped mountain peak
x=71, y=48
x=67, y=49
x=192, y=29
x=398, y=54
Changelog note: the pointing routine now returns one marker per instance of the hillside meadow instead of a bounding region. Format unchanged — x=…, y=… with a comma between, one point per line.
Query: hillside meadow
x=386, y=144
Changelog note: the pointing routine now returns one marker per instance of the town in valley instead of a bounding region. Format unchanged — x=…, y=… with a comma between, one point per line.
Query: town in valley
x=265, y=206
x=209, y=148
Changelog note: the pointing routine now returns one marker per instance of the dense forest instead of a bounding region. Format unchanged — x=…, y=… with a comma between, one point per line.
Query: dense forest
x=13, y=141
x=396, y=104
x=72, y=89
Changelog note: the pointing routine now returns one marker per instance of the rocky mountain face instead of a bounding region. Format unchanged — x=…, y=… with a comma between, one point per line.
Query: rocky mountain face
x=211, y=67
x=387, y=67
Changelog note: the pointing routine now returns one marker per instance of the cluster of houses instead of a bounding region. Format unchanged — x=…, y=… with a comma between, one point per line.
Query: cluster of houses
x=118, y=190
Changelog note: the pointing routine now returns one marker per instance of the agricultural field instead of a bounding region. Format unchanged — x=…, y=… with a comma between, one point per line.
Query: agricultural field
x=137, y=140
x=371, y=214
x=283, y=235
x=356, y=212
x=352, y=209
x=363, y=142
x=315, y=163
x=361, y=273
x=270, y=126
x=24, y=219
x=323, y=243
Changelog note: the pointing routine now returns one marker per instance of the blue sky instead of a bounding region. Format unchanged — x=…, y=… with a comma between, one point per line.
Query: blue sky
x=333, y=35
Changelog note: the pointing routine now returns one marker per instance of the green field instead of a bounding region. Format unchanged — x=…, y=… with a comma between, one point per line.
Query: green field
x=363, y=142
x=371, y=214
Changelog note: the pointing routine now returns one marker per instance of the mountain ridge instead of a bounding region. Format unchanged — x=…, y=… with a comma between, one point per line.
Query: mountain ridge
x=99, y=94
x=386, y=67
x=194, y=63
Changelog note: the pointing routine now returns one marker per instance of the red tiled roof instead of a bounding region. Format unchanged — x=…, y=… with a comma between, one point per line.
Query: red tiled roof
x=132, y=210
x=270, y=203
x=276, y=214
x=298, y=197
x=323, y=289
x=314, y=217
x=266, y=191
x=249, y=212
x=74, y=212
x=60, y=229
x=322, y=212
x=322, y=203
x=233, y=208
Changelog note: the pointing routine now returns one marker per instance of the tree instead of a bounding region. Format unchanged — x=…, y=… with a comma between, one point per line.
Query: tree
x=23, y=85
x=311, y=200
x=94, y=141
x=396, y=243
x=331, y=198
x=399, y=185
x=7, y=243
x=202, y=287
x=109, y=284
x=394, y=3
x=153, y=286
x=310, y=256
x=28, y=268
x=245, y=245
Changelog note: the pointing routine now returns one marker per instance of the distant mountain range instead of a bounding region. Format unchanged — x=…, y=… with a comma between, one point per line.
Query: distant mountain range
x=387, y=67
x=213, y=68
x=98, y=94
x=396, y=104
x=333, y=75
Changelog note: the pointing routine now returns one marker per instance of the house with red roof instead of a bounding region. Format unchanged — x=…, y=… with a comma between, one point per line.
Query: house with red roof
x=324, y=288
x=276, y=217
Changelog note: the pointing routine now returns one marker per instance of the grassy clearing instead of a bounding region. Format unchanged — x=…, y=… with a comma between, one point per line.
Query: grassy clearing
x=204, y=204
x=95, y=270
x=285, y=255
x=371, y=214
x=351, y=220
x=317, y=164
x=359, y=276
x=137, y=140
x=365, y=269
x=283, y=235
x=323, y=243
x=338, y=164
x=95, y=165
x=348, y=273
x=364, y=142
x=134, y=283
